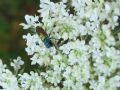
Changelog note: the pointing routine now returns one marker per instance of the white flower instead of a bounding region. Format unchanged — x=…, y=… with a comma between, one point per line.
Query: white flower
x=68, y=83
x=8, y=81
x=99, y=84
x=94, y=16
x=2, y=66
x=32, y=43
x=32, y=81
x=82, y=29
x=65, y=48
x=65, y=36
x=91, y=26
x=107, y=7
x=113, y=22
x=115, y=81
x=16, y=64
x=31, y=21
x=25, y=81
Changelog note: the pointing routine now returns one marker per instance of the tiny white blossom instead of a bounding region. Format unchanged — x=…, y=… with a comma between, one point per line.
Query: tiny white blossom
x=107, y=7
x=8, y=81
x=16, y=64
x=94, y=16
x=31, y=20
x=115, y=81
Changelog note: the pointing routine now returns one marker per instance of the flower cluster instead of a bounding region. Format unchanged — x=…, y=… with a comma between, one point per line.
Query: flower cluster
x=8, y=81
x=87, y=36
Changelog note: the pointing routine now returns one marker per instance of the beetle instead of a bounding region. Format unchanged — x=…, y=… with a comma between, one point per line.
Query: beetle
x=46, y=40
x=44, y=37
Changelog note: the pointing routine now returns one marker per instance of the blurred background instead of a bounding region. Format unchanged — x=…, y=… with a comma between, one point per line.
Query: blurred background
x=12, y=13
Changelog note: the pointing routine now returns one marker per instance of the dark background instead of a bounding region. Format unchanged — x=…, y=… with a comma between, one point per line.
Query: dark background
x=12, y=13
